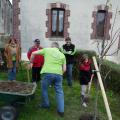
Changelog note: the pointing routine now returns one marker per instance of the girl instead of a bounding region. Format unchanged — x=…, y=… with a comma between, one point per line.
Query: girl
x=85, y=76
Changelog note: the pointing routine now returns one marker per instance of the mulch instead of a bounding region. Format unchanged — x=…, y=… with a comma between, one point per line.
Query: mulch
x=16, y=87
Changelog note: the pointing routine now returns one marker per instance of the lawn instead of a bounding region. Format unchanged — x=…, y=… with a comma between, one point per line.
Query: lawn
x=73, y=107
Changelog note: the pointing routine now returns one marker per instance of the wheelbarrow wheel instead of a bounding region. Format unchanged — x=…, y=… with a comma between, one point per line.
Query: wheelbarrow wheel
x=8, y=113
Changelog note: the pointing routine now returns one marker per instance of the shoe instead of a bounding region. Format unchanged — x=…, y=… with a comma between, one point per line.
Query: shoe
x=61, y=114
x=34, y=83
x=84, y=105
x=50, y=86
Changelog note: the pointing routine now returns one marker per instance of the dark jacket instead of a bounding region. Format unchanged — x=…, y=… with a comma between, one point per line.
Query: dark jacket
x=69, y=51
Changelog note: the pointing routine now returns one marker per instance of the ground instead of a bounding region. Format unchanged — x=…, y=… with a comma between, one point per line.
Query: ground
x=73, y=107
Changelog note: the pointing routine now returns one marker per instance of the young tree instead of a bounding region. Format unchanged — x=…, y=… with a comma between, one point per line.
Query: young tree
x=104, y=50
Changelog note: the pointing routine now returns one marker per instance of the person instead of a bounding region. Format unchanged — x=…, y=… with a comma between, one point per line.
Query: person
x=85, y=73
x=12, y=54
x=52, y=71
x=1, y=59
x=37, y=62
x=69, y=50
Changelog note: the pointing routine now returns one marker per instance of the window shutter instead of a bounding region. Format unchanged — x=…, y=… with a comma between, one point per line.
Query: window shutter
x=66, y=23
x=48, y=23
x=93, y=25
x=108, y=26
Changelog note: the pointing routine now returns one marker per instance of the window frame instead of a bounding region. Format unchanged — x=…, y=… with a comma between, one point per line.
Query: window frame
x=49, y=20
x=93, y=35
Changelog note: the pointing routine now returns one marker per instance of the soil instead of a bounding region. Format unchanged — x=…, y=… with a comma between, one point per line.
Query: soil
x=87, y=117
x=16, y=87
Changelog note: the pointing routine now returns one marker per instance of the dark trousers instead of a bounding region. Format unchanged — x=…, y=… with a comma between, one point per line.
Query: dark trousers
x=36, y=74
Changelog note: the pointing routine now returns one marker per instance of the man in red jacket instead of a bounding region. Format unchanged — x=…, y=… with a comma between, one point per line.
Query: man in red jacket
x=37, y=62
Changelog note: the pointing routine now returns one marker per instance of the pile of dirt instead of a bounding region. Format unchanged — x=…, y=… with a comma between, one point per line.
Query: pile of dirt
x=16, y=87
x=87, y=116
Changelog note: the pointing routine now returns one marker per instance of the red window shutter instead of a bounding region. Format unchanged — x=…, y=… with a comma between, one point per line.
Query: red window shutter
x=48, y=23
x=66, y=23
x=93, y=25
x=108, y=26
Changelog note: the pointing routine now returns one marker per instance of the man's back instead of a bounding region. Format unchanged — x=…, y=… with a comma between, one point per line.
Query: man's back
x=54, y=60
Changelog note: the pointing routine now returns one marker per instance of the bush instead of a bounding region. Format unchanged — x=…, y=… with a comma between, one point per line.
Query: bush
x=112, y=81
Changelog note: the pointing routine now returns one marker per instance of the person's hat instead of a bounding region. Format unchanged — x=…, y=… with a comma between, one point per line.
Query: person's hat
x=37, y=41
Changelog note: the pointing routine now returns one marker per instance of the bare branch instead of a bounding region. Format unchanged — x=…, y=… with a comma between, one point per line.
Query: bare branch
x=113, y=52
x=107, y=74
x=118, y=30
x=98, y=47
x=105, y=52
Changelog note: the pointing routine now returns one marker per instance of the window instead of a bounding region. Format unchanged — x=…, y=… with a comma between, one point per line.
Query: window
x=101, y=23
x=101, y=17
x=57, y=22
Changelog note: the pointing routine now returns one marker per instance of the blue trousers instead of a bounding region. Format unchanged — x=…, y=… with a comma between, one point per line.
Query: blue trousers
x=12, y=72
x=69, y=74
x=56, y=79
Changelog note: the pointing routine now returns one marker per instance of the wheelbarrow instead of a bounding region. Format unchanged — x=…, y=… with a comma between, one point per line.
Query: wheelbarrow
x=14, y=97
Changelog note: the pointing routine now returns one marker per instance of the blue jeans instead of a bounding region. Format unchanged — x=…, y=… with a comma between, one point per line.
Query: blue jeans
x=12, y=72
x=69, y=74
x=47, y=79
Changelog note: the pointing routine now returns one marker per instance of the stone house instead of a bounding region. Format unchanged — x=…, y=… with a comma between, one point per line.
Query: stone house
x=87, y=22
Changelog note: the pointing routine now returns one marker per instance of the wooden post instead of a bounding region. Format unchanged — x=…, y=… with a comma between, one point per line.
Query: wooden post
x=102, y=89
x=28, y=75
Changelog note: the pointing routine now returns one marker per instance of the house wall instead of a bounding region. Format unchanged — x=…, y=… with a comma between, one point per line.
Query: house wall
x=33, y=22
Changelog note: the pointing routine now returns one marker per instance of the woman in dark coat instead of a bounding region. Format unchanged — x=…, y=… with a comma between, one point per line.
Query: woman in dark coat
x=85, y=73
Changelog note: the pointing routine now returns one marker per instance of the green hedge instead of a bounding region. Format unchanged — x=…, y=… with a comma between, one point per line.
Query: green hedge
x=112, y=82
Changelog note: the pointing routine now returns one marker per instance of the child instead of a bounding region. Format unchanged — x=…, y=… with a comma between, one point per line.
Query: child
x=85, y=76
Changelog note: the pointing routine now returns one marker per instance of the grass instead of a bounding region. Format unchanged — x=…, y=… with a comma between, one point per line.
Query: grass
x=73, y=108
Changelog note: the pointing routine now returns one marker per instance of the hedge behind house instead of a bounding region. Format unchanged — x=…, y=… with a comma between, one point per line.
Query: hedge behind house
x=112, y=81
